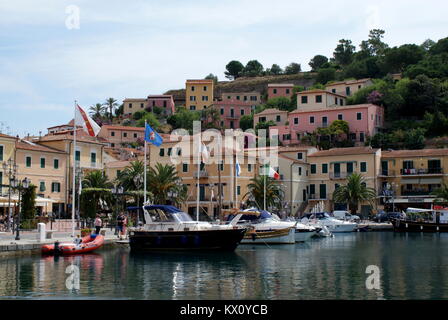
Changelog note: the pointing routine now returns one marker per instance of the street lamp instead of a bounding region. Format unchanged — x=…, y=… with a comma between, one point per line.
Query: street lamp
x=138, y=182
x=21, y=186
x=10, y=169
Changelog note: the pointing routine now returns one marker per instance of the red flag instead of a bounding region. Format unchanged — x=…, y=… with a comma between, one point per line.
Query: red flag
x=83, y=119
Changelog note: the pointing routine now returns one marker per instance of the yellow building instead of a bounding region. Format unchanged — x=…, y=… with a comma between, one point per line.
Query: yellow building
x=7, y=150
x=46, y=168
x=199, y=94
x=408, y=177
x=132, y=105
x=330, y=168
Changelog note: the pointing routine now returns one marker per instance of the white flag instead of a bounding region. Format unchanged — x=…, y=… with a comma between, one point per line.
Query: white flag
x=83, y=119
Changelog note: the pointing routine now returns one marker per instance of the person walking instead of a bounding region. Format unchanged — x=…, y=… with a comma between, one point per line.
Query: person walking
x=98, y=224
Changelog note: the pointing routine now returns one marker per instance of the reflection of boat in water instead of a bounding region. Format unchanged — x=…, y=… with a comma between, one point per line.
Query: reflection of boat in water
x=263, y=227
x=89, y=243
x=332, y=224
x=168, y=228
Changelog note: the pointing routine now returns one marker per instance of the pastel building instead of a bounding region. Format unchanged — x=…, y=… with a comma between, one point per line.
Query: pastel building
x=315, y=99
x=232, y=106
x=363, y=120
x=199, y=94
x=7, y=149
x=348, y=87
x=117, y=136
x=280, y=117
x=132, y=105
x=280, y=90
x=165, y=102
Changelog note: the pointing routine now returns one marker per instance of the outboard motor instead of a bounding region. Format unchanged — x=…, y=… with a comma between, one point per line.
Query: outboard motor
x=57, y=249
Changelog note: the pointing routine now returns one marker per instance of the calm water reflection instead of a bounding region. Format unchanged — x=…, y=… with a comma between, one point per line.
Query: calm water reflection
x=413, y=266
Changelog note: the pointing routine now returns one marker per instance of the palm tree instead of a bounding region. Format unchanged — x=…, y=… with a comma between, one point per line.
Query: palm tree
x=354, y=192
x=165, y=184
x=441, y=194
x=110, y=104
x=255, y=195
x=97, y=111
x=96, y=190
x=211, y=117
x=128, y=176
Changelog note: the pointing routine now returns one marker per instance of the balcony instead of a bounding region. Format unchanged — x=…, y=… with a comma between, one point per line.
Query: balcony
x=418, y=172
x=416, y=192
x=339, y=175
x=202, y=174
x=318, y=197
x=387, y=173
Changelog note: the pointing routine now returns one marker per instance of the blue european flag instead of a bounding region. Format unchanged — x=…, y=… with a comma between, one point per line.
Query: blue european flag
x=152, y=136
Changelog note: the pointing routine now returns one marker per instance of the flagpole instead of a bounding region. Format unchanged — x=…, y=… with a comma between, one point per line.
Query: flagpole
x=236, y=184
x=144, y=174
x=74, y=175
x=199, y=167
x=264, y=189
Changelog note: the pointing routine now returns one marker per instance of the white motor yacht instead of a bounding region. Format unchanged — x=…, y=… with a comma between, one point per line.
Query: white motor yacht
x=332, y=224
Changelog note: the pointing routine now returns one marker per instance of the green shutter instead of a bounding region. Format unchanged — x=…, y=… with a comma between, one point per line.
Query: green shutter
x=42, y=186
x=313, y=169
x=77, y=155
x=56, y=163
x=42, y=162
x=1, y=153
x=324, y=168
x=162, y=152
x=93, y=157
x=363, y=166
x=28, y=162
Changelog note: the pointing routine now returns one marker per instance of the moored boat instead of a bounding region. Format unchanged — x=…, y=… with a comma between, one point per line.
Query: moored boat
x=333, y=225
x=168, y=228
x=422, y=220
x=89, y=243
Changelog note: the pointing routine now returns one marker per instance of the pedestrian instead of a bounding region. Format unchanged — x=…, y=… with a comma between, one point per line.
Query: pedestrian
x=98, y=224
x=120, y=223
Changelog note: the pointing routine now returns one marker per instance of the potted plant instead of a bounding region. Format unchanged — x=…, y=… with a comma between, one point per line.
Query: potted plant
x=85, y=232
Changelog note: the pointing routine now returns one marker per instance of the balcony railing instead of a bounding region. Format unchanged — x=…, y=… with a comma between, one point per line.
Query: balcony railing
x=319, y=197
x=202, y=174
x=428, y=171
x=387, y=173
x=416, y=193
x=339, y=175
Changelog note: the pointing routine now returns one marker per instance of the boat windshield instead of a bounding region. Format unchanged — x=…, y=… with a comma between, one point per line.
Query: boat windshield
x=182, y=216
x=160, y=215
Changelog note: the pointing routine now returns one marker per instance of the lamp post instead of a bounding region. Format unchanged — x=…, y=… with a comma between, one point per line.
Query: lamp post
x=138, y=182
x=10, y=169
x=211, y=187
x=24, y=184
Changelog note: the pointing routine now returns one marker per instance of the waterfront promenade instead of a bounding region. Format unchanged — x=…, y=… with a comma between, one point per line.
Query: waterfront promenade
x=29, y=243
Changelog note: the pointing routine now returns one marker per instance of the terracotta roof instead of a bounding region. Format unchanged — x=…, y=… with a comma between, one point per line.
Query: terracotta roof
x=414, y=153
x=291, y=159
x=348, y=82
x=112, y=127
x=321, y=91
x=134, y=99
x=27, y=145
x=6, y=136
x=167, y=96
x=330, y=108
x=271, y=111
x=58, y=137
x=280, y=85
x=199, y=81
x=344, y=152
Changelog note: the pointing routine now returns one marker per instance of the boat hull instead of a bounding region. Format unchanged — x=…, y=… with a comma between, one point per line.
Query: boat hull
x=339, y=228
x=86, y=246
x=279, y=236
x=226, y=240
x=414, y=226
x=302, y=236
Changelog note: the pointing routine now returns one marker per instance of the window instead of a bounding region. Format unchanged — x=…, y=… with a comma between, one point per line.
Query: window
x=77, y=155
x=55, y=187
x=42, y=186
x=313, y=169
x=363, y=166
x=1, y=153
x=347, y=91
x=300, y=171
x=319, y=98
x=324, y=168
x=304, y=99
x=324, y=120
x=125, y=134
x=192, y=107
x=287, y=91
x=238, y=190
x=341, y=102
x=135, y=135
x=222, y=111
x=153, y=103
x=232, y=113
x=340, y=117
x=28, y=162
x=112, y=133
x=249, y=167
x=333, y=90
x=262, y=119
x=161, y=152
x=179, y=151
x=311, y=119
x=296, y=120
x=56, y=163
x=42, y=163
x=192, y=88
x=185, y=167
x=336, y=101
x=323, y=191
x=358, y=116
x=237, y=97
x=245, y=98
x=164, y=104
x=93, y=157
x=221, y=166
x=408, y=164
x=286, y=137
x=130, y=106
x=192, y=98
x=141, y=105
x=204, y=98
x=205, y=88
x=275, y=91
x=278, y=118
x=242, y=112
x=312, y=189
x=169, y=151
x=361, y=136
x=231, y=125
x=299, y=155
x=349, y=167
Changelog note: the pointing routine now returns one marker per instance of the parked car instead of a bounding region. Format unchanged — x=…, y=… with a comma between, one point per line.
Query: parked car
x=345, y=215
x=387, y=216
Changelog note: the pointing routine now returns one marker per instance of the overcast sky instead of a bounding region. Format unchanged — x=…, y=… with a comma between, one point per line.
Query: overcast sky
x=134, y=48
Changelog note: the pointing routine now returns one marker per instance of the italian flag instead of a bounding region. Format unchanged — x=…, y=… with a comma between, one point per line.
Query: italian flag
x=271, y=173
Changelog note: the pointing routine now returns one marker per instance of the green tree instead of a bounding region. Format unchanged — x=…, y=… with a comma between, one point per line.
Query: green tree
x=96, y=190
x=166, y=185
x=264, y=125
x=354, y=192
x=234, y=70
x=111, y=104
x=441, y=194
x=253, y=69
x=325, y=75
x=293, y=68
x=184, y=119
x=97, y=111
x=374, y=45
x=281, y=103
x=28, y=203
x=247, y=122
x=343, y=54
x=211, y=76
x=211, y=118
x=255, y=196
x=427, y=44
x=275, y=70
x=151, y=119
x=398, y=59
x=317, y=62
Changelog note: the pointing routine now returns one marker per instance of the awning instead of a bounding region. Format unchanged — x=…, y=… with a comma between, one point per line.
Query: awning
x=40, y=201
x=421, y=181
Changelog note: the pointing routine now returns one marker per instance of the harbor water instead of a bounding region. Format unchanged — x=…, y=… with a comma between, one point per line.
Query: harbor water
x=410, y=266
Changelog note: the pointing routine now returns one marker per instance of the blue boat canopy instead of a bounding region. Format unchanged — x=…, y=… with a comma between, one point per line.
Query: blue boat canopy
x=166, y=208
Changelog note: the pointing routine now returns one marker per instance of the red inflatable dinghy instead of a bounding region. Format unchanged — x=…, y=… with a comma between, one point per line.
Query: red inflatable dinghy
x=88, y=244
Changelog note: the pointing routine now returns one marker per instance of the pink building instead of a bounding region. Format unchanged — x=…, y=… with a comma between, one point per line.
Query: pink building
x=363, y=120
x=162, y=101
x=280, y=90
x=233, y=106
